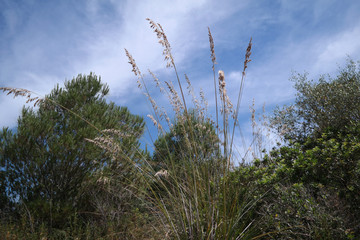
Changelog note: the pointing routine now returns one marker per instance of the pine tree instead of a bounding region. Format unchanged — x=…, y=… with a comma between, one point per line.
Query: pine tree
x=47, y=160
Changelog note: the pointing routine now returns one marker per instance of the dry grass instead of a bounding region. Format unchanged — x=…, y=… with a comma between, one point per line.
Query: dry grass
x=189, y=196
x=241, y=89
x=213, y=59
x=24, y=93
x=192, y=188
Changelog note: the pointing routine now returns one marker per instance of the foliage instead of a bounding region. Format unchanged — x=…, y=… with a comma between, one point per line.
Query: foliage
x=193, y=139
x=332, y=102
x=47, y=161
x=291, y=211
x=73, y=168
x=330, y=162
x=319, y=167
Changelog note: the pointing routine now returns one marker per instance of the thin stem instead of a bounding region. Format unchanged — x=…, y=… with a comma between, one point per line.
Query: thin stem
x=247, y=60
x=182, y=93
x=213, y=59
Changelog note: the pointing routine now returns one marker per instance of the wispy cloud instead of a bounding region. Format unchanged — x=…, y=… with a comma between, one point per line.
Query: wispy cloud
x=45, y=43
x=334, y=49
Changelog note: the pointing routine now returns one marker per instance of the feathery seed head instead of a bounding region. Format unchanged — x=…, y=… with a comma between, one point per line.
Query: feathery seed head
x=222, y=79
x=212, y=49
x=163, y=41
x=23, y=92
x=158, y=125
x=223, y=93
x=175, y=99
x=247, y=56
x=135, y=68
x=162, y=173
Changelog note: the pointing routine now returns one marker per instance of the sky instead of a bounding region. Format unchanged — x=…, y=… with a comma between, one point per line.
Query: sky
x=45, y=42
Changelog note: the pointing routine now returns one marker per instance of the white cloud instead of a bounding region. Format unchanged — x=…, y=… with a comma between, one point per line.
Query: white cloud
x=336, y=48
x=10, y=109
x=93, y=38
x=185, y=23
x=38, y=61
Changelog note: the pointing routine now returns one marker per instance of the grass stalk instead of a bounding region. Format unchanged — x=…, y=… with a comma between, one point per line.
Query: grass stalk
x=247, y=60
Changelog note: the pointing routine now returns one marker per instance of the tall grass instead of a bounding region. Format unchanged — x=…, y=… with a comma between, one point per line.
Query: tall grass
x=196, y=199
x=188, y=192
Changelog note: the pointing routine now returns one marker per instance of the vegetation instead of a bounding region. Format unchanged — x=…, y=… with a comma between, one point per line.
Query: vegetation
x=73, y=168
x=175, y=145
x=47, y=164
x=320, y=105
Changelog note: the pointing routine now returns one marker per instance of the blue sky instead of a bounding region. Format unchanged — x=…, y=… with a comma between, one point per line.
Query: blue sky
x=44, y=42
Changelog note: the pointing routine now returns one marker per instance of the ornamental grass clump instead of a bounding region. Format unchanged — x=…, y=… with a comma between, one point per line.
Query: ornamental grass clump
x=186, y=189
x=193, y=157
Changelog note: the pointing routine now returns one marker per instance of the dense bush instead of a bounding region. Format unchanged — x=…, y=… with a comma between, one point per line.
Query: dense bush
x=327, y=103
x=47, y=164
